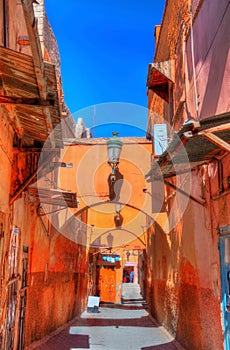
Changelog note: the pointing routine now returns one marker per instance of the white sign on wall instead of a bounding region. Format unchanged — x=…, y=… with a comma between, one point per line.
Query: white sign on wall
x=160, y=138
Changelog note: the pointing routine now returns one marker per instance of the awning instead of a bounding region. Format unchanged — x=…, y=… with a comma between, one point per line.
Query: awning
x=160, y=76
x=195, y=143
x=31, y=115
x=112, y=260
x=54, y=197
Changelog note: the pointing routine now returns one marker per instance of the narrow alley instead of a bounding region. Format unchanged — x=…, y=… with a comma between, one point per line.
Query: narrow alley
x=124, y=326
x=115, y=218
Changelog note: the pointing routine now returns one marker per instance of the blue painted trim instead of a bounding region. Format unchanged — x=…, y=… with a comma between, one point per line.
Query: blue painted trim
x=224, y=268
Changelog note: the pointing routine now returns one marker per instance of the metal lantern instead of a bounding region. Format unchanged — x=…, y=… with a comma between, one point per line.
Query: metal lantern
x=114, y=146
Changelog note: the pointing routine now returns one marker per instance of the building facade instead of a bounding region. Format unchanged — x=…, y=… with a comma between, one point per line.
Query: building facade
x=115, y=215
x=38, y=266
x=187, y=282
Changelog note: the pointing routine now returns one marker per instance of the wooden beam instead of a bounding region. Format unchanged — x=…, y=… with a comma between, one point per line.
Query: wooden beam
x=21, y=188
x=35, y=45
x=199, y=201
x=26, y=101
x=49, y=126
x=217, y=141
x=217, y=128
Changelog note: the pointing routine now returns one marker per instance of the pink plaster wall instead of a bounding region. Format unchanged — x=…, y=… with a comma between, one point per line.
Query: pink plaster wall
x=212, y=59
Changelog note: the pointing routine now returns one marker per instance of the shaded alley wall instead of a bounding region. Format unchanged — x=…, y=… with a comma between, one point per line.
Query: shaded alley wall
x=43, y=274
x=183, y=263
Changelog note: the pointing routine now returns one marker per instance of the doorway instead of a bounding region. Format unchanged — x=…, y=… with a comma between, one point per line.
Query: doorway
x=23, y=296
x=107, y=284
x=128, y=274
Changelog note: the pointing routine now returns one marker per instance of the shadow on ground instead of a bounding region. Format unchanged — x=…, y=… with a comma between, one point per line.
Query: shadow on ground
x=173, y=345
x=66, y=341
x=144, y=321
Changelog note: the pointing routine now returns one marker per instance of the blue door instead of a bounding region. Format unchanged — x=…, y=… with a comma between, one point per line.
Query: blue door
x=225, y=284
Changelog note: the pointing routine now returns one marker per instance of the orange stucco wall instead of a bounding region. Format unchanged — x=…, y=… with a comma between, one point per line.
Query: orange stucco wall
x=55, y=289
x=89, y=179
x=57, y=283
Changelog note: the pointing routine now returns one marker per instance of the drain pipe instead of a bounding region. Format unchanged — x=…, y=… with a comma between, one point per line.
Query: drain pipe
x=193, y=64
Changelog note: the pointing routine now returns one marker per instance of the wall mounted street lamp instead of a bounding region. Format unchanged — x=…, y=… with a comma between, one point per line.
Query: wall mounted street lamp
x=114, y=145
x=118, y=218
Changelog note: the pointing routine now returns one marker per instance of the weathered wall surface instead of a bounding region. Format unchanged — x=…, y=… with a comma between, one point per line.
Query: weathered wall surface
x=171, y=33
x=211, y=68
x=6, y=156
x=6, y=140
x=184, y=279
x=88, y=177
x=211, y=72
x=183, y=267
x=57, y=281
x=56, y=276
x=177, y=13
x=43, y=275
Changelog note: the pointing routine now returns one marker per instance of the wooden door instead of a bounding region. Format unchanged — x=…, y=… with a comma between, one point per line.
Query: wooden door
x=107, y=284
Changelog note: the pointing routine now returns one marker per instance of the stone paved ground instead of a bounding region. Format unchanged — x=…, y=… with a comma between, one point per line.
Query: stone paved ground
x=123, y=327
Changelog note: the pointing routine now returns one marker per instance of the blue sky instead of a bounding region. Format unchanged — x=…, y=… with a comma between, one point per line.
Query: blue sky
x=105, y=48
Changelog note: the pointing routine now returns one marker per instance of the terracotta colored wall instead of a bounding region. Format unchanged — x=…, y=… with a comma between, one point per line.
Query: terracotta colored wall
x=6, y=139
x=57, y=283
x=184, y=280
x=56, y=286
x=174, y=24
x=89, y=178
x=6, y=156
x=175, y=14
x=57, y=270
x=183, y=269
